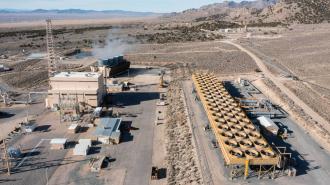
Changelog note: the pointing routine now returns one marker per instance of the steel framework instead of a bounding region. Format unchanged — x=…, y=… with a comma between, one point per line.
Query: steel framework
x=52, y=57
x=240, y=142
x=5, y=159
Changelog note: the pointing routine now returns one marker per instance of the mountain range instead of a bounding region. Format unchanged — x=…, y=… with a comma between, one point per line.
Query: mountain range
x=284, y=11
x=257, y=11
x=14, y=15
x=77, y=11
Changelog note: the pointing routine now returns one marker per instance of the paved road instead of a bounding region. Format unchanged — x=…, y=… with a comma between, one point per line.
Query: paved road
x=134, y=155
x=283, y=88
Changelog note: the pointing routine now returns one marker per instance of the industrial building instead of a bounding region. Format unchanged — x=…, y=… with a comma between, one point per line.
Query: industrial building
x=58, y=143
x=108, y=130
x=83, y=147
x=240, y=142
x=75, y=89
x=111, y=67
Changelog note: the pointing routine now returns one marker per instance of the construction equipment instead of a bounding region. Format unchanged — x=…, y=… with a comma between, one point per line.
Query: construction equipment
x=154, y=173
x=283, y=133
x=52, y=57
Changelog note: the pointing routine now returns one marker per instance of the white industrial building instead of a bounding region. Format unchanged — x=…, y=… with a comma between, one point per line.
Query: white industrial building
x=83, y=147
x=68, y=89
x=58, y=143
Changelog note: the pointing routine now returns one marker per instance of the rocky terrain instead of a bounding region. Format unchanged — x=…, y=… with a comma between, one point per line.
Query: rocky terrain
x=182, y=160
x=261, y=11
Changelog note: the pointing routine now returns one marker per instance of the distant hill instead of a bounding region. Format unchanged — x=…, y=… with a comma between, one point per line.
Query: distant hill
x=77, y=11
x=260, y=11
x=307, y=11
x=226, y=9
x=14, y=15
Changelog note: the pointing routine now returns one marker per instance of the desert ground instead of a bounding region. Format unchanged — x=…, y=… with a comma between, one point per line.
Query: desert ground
x=292, y=57
x=302, y=53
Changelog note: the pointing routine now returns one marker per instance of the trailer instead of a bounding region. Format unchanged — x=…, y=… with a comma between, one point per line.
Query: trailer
x=58, y=143
x=154, y=173
x=268, y=124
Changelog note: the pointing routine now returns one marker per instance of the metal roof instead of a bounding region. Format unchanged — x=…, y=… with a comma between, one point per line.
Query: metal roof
x=81, y=149
x=73, y=126
x=77, y=75
x=58, y=141
x=266, y=122
x=108, y=126
x=87, y=142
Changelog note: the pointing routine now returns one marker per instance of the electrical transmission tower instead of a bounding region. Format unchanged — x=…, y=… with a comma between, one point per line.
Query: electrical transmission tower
x=52, y=57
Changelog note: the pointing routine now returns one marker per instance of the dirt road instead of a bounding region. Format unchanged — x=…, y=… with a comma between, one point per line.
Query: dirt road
x=284, y=89
x=182, y=52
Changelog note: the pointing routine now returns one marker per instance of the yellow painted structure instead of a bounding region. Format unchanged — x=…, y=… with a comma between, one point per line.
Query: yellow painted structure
x=237, y=136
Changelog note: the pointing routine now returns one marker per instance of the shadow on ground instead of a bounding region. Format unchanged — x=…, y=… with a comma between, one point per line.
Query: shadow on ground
x=130, y=98
x=6, y=115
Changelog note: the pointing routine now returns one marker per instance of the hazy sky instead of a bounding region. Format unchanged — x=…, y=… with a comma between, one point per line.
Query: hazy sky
x=133, y=5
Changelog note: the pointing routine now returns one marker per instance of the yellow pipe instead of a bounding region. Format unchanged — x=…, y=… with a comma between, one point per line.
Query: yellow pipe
x=246, y=171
